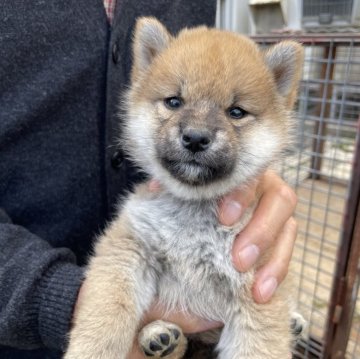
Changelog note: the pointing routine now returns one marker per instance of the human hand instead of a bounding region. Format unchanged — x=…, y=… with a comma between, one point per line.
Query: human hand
x=188, y=323
x=271, y=225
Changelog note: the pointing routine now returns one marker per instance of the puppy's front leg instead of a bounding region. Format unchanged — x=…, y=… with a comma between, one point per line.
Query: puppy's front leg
x=119, y=287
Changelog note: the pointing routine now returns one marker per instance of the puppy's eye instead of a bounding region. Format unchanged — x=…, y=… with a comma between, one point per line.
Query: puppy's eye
x=236, y=112
x=173, y=103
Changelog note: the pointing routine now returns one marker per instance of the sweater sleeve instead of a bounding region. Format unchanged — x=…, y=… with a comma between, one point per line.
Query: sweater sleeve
x=39, y=286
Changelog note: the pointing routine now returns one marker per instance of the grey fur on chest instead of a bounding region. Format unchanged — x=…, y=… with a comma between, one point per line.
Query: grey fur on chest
x=188, y=251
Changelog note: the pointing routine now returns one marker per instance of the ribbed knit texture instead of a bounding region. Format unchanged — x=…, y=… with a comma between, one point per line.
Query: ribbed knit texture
x=53, y=63
x=56, y=294
x=43, y=283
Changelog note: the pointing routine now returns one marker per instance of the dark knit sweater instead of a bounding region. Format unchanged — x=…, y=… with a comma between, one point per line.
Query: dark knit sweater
x=61, y=72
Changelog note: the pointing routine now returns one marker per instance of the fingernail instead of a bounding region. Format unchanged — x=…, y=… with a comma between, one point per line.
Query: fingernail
x=248, y=256
x=231, y=212
x=267, y=288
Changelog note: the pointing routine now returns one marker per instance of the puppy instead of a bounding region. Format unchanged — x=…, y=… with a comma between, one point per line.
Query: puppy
x=207, y=112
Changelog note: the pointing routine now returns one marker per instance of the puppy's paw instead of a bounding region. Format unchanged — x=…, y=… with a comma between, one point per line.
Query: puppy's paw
x=162, y=340
x=298, y=324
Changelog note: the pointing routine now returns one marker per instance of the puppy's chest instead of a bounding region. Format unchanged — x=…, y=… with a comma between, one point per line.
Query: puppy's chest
x=185, y=244
x=176, y=230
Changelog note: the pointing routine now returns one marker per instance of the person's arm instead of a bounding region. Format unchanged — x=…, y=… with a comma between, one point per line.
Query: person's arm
x=39, y=286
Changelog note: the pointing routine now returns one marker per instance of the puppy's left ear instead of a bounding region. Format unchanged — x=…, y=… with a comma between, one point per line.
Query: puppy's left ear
x=285, y=60
x=150, y=39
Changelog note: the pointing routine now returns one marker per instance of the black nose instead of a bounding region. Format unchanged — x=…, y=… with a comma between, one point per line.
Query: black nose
x=196, y=140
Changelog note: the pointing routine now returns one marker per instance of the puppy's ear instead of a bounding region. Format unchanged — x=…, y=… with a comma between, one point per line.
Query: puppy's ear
x=150, y=39
x=285, y=60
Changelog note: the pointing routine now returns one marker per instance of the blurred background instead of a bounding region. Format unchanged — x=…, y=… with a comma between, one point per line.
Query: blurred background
x=323, y=165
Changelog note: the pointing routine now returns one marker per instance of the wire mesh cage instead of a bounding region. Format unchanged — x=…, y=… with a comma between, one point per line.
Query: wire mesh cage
x=339, y=8
x=321, y=167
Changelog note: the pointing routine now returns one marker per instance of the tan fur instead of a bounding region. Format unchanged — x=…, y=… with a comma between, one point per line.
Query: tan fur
x=100, y=310
x=212, y=71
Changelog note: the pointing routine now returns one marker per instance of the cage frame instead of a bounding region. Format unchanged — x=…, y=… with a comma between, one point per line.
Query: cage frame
x=346, y=276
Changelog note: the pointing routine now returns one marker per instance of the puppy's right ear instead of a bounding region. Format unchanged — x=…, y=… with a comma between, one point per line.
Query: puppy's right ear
x=150, y=39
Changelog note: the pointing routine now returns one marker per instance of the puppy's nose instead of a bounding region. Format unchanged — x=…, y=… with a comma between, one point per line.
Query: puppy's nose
x=196, y=140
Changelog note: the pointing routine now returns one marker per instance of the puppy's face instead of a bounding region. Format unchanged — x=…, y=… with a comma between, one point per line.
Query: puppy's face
x=207, y=111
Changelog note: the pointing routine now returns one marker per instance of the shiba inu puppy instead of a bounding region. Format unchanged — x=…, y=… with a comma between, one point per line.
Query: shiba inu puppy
x=207, y=111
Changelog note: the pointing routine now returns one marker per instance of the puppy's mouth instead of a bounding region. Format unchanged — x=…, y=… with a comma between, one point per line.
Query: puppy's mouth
x=194, y=172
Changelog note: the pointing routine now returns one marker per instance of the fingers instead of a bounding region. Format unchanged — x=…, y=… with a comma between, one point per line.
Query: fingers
x=275, y=207
x=275, y=270
x=272, y=225
x=188, y=323
x=232, y=206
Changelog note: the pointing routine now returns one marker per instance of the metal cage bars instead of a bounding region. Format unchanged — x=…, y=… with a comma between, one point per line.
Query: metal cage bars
x=324, y=168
